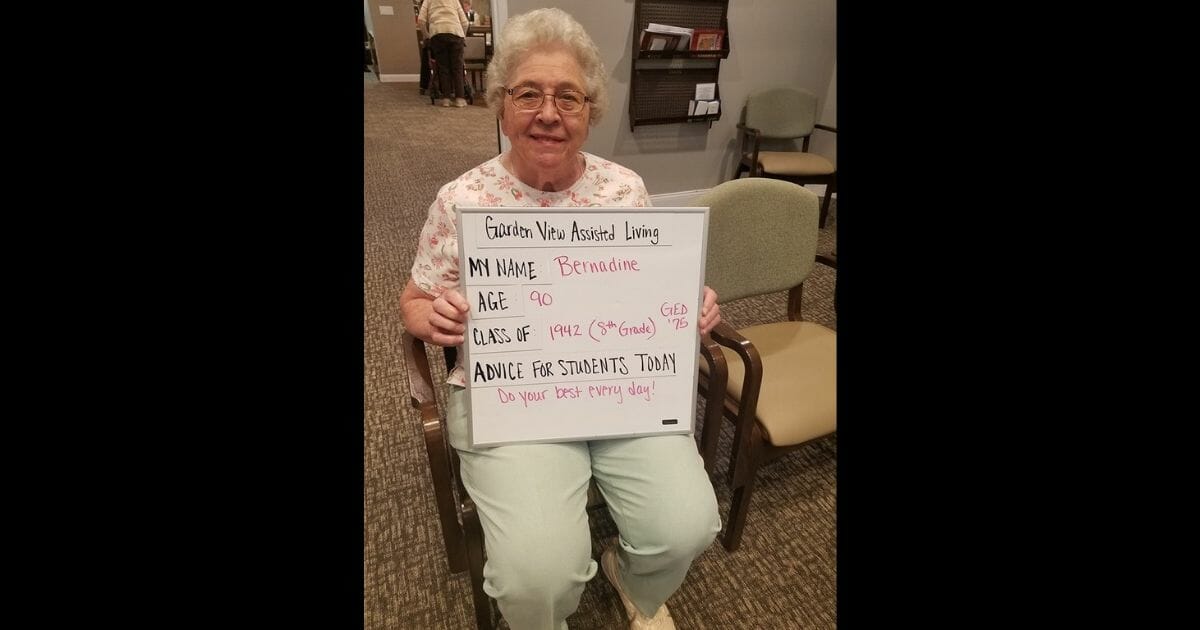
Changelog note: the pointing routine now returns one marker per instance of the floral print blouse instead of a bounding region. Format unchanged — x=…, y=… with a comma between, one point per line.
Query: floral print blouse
x=435, y=267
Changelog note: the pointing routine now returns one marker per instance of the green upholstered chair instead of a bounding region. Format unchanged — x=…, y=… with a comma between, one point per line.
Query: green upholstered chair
x=776, y=118
x=781, y=384
x=475, y=62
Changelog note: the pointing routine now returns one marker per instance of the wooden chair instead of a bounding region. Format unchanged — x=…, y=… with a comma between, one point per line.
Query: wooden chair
x=784, y=114
x=781, y=385
x=456, y=511
x=462, y=533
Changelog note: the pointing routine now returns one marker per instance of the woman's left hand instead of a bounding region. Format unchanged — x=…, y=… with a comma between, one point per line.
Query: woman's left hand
x=710, y=311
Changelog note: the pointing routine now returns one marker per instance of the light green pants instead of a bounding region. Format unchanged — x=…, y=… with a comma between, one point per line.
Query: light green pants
x=532, y=499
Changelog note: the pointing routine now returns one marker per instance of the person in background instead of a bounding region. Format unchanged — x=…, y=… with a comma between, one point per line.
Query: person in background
x=547, y=84
x=423, y=45
x=466, y=4
x=445, y=26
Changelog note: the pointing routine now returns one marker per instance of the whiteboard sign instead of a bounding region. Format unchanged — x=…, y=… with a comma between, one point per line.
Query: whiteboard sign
x=583, y=321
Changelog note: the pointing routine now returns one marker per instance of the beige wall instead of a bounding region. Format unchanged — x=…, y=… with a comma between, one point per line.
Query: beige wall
x=395, y=37
x=772, y=42
x=482, y=8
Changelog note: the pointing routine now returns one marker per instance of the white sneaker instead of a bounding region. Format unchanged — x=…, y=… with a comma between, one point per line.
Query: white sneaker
x=446, y=102
x=637, y=621
x=460, y=102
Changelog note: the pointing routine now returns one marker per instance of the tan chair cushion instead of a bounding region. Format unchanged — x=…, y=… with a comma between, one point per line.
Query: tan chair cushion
x=794, y=163
x=798, y=399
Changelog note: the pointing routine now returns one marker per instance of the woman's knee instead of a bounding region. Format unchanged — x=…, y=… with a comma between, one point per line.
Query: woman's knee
x=693, y=535
x=682, y=531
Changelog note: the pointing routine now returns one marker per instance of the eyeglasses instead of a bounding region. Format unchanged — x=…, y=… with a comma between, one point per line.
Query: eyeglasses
x=529, y=99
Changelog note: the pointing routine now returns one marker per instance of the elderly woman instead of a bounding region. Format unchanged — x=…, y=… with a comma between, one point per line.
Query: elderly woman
x=547, y=85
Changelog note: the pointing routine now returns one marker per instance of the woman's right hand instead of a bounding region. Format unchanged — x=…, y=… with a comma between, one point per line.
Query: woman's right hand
x=448, y=318
x=440, y=320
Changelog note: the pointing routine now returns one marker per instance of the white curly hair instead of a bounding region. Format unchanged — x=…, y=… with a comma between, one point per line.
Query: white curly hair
x=547, y=27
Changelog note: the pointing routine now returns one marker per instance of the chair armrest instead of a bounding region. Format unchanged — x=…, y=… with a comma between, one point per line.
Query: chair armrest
x=754, y=136
x=442, y=466
x=744, y=434
x=749, y=132
x=714, y=401
x=725, y=335
x=424, y=399
x=825, y=127
x=420, y=379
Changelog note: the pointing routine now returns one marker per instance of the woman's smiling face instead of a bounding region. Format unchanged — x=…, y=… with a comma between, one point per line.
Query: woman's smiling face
x=545, y=141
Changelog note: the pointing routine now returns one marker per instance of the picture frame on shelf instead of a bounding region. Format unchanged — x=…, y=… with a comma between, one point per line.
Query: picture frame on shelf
x=705, y=39
x=659, y=41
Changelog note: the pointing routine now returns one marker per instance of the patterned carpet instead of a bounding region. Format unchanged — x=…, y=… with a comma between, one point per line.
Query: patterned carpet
x=784, y=574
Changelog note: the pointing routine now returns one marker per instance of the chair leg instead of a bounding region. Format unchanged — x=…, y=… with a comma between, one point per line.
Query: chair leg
x=743, y=471
x=456, y=556
x=829, y=190
x=738, y=509
x=714, y=409
x=441, y=466
x=737, y=458
x=474, y=544
x=709, y=438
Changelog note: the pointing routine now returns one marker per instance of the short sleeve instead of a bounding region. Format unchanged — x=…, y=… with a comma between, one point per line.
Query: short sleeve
x=435, y=266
